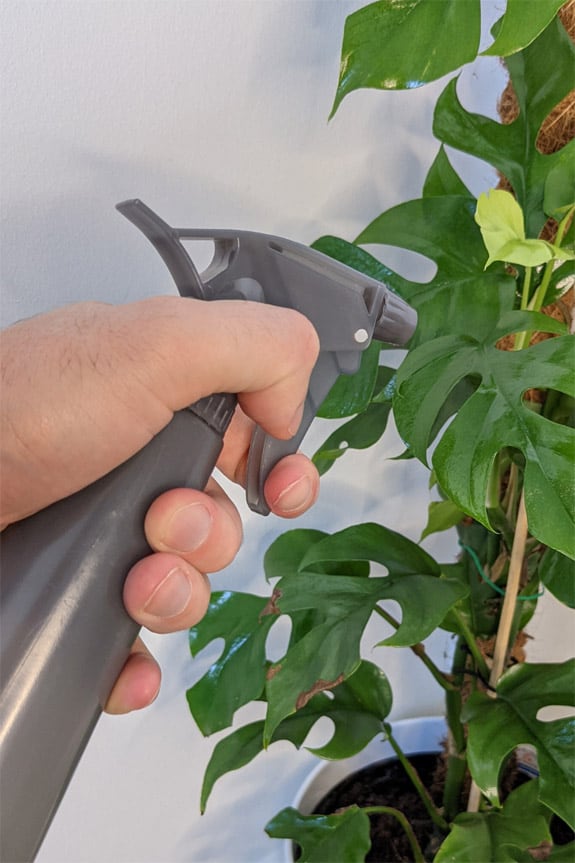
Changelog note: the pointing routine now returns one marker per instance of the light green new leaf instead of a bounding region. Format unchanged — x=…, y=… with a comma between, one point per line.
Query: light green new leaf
x=378, y=44
x=343, y=837
x=522, y=23
x=497, y=725
x=238, y=676
x=493, y=418
x=500, y=219
x=492, y=836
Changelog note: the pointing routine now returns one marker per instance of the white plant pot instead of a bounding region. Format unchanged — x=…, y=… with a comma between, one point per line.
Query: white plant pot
x=415, y=736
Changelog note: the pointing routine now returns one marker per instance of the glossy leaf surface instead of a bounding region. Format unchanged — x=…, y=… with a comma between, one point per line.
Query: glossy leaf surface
x=493, y=418
x=497, y=725
x=522, y=23
x=542, y=75
x=363, y=430
x=392, y=45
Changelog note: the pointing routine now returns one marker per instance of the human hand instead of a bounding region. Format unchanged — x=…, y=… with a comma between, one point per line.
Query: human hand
x=87, y=386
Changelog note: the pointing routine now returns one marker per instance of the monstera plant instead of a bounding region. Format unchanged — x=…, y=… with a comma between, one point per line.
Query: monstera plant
x=487, y=385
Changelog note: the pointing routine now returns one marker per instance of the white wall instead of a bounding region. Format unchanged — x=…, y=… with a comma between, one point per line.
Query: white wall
x=215, y=114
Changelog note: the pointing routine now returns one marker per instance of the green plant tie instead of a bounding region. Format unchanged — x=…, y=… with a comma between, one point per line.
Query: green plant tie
x=473, y=555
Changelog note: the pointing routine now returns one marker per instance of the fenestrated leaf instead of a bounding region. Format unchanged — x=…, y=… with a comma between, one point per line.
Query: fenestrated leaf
x=542, y=74
x=497, y=725
x=379, y=39
x=522, y=23
x=284, y=556
x=343, y=837
x=363, y=430
x=490, y=836
x=238, y=676
x=442, y=515
x=357, y=709
x=329, y=652
x=370, y=541
x=443, y=229
x=493, y=418
x=557, y=573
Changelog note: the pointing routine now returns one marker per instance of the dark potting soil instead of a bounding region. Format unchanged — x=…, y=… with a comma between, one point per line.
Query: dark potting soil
x=386, y=784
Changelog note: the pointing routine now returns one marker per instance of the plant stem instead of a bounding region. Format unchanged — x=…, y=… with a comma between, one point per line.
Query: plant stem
x=389, y=810
x=456, y=763
x=506, y=620
x=467, y=634
x=416, y=782
x=419, y=650
x=526, y=288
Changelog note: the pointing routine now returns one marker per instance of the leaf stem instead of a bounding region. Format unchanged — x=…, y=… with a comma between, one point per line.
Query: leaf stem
x=389, y=810
x=437, y=819
x=419, y=650
x=526, y=288
x=467, y=634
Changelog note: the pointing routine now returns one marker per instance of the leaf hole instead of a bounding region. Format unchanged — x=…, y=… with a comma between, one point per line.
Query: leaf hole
x=278, y=638
x=555, y=711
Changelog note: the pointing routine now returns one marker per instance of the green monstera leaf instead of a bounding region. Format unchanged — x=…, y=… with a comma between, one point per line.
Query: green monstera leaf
x=378, y=44
x=494, y=836
x=497, y=725
x=542, y=75
x=238, y=676
x=328, y=652
x=495, y=416
x=357, y=709
x=522, y=23
x=344, y=836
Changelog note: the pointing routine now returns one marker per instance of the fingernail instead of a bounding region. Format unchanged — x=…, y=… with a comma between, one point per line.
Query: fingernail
x=295, y=496
x=295, y=422
x=188, y=528
x=171, y=596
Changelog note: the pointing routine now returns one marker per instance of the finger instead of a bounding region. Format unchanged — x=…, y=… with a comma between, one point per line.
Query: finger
x=292, y=486
x=204, y=528
x=165, y=593
x=138, y=683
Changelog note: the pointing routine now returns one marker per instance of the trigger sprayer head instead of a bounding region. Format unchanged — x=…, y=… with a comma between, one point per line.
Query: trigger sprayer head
x=396, y=322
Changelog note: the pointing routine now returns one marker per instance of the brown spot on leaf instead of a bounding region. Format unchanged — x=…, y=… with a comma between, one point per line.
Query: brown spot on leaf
x=319, y=686
x=272, y=671
x=271, y=607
